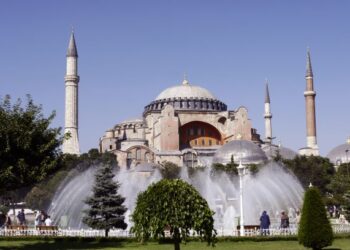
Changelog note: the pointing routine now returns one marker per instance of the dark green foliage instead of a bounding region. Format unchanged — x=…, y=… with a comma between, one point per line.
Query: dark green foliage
x=315, y=169
x=40, y=195
x=253, y=168
x=29, y=147
x=340, y=183
x=346, y=205
x=229, y=168
x=170, y=170
x=176, y=206
x=315, y=230
x=106, y=205
x=192, y=171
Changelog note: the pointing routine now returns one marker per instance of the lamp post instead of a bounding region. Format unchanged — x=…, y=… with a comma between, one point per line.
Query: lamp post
x=241, y=173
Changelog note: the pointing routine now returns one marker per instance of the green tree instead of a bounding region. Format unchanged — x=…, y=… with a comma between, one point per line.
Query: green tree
x=340, y=183
x=170, y=170
x=29, y=147
x=176, y=206
x=315, y=169
x=106, y=205
x=346, y=205
x=229, y=168
x=315, y=230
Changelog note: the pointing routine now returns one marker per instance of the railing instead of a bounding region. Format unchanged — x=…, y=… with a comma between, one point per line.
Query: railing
x=337, y=229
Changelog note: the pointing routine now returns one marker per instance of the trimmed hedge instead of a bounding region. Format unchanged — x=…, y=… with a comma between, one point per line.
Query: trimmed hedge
x=163, y=240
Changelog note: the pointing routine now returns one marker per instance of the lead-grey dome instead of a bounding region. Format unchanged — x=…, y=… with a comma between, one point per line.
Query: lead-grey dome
x=340, y=154
x=241, y=150
x=186, y=97
x=286, y=153
x=185, y=90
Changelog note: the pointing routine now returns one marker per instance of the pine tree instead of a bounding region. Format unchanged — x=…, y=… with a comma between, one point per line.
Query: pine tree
x=106, y=205
x=315, y=230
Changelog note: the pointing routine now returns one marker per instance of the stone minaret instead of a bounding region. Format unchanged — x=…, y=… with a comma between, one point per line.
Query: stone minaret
x=268, y=116
x=310, y=94
x=71, y=145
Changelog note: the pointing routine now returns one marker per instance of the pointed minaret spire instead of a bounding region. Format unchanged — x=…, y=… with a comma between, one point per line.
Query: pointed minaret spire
x=267, y=94
x=308, y=64
x=310, y=95
x=72, y=48
x=268, y=115
x=71, y=144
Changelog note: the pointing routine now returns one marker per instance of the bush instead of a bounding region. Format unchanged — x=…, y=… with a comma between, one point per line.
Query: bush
x=315, y=230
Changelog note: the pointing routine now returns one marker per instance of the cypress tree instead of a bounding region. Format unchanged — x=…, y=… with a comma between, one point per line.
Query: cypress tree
x=315, y=230
x=106, y=205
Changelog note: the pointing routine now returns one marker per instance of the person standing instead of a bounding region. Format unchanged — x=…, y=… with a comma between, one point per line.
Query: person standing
x=48, y=221
x=264, y=223
x=21, y=217
x=284, y=221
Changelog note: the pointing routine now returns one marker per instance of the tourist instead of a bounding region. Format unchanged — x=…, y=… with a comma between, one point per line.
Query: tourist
x=284, y=221
x=264, y=223
x=37, y=221
x=48, y=221
x=43, y=217
x=21, y=217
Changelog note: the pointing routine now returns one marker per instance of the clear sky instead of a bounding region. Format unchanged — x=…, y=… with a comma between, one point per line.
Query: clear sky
x=129, y=51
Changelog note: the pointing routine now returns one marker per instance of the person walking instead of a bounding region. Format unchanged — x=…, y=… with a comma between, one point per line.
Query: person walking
x=264, y=223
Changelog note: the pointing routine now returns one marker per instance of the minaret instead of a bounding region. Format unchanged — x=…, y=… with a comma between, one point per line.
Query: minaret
x=268, y=116
x=310, y=94
x=71, y=145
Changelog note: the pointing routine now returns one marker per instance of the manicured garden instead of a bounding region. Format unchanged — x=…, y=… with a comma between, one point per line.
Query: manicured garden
x=343, y=244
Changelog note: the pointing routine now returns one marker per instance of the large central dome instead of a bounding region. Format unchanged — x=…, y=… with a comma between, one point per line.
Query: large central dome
x=186, y=97
x=185, y=90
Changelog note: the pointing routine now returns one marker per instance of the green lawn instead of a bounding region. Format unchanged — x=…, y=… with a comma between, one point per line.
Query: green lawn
x=343, y=244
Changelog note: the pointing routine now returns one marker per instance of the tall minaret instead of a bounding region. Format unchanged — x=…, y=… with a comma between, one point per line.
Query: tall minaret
x=268, y=116
x=71, y=145
x=310, y=94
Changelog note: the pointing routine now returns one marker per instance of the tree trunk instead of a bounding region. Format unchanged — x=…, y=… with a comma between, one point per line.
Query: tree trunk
x=176, y=239
x=106, y=232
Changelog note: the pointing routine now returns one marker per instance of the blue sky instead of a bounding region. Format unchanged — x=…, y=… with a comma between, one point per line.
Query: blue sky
x=129, y=51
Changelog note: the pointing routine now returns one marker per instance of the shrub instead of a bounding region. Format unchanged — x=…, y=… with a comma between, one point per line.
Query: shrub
x=315, y=230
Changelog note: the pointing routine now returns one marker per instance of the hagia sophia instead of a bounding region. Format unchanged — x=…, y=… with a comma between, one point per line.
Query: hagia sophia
x=190, y=126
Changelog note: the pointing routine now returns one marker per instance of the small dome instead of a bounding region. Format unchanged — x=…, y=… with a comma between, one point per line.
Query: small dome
x=241, y=150
x=185, y=90
x=271, y=151
x=340, y=154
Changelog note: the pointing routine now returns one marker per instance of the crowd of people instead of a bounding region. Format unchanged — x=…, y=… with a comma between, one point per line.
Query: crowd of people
x=41, y=219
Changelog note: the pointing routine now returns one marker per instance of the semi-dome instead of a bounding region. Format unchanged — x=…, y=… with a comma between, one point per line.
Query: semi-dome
x=185, y=90
x=241, y=150
x=272, y=150
x=340, y=154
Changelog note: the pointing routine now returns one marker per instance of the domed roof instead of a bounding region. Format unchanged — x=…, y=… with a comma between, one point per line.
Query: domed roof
x=286, y=153
x=241, y=150
x=340, y=154
x=185, y=90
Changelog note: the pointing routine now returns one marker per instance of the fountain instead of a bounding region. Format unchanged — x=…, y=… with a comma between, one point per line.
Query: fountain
x=272, y=189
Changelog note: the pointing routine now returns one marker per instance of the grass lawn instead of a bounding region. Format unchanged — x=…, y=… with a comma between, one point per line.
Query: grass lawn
x=343, y=244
